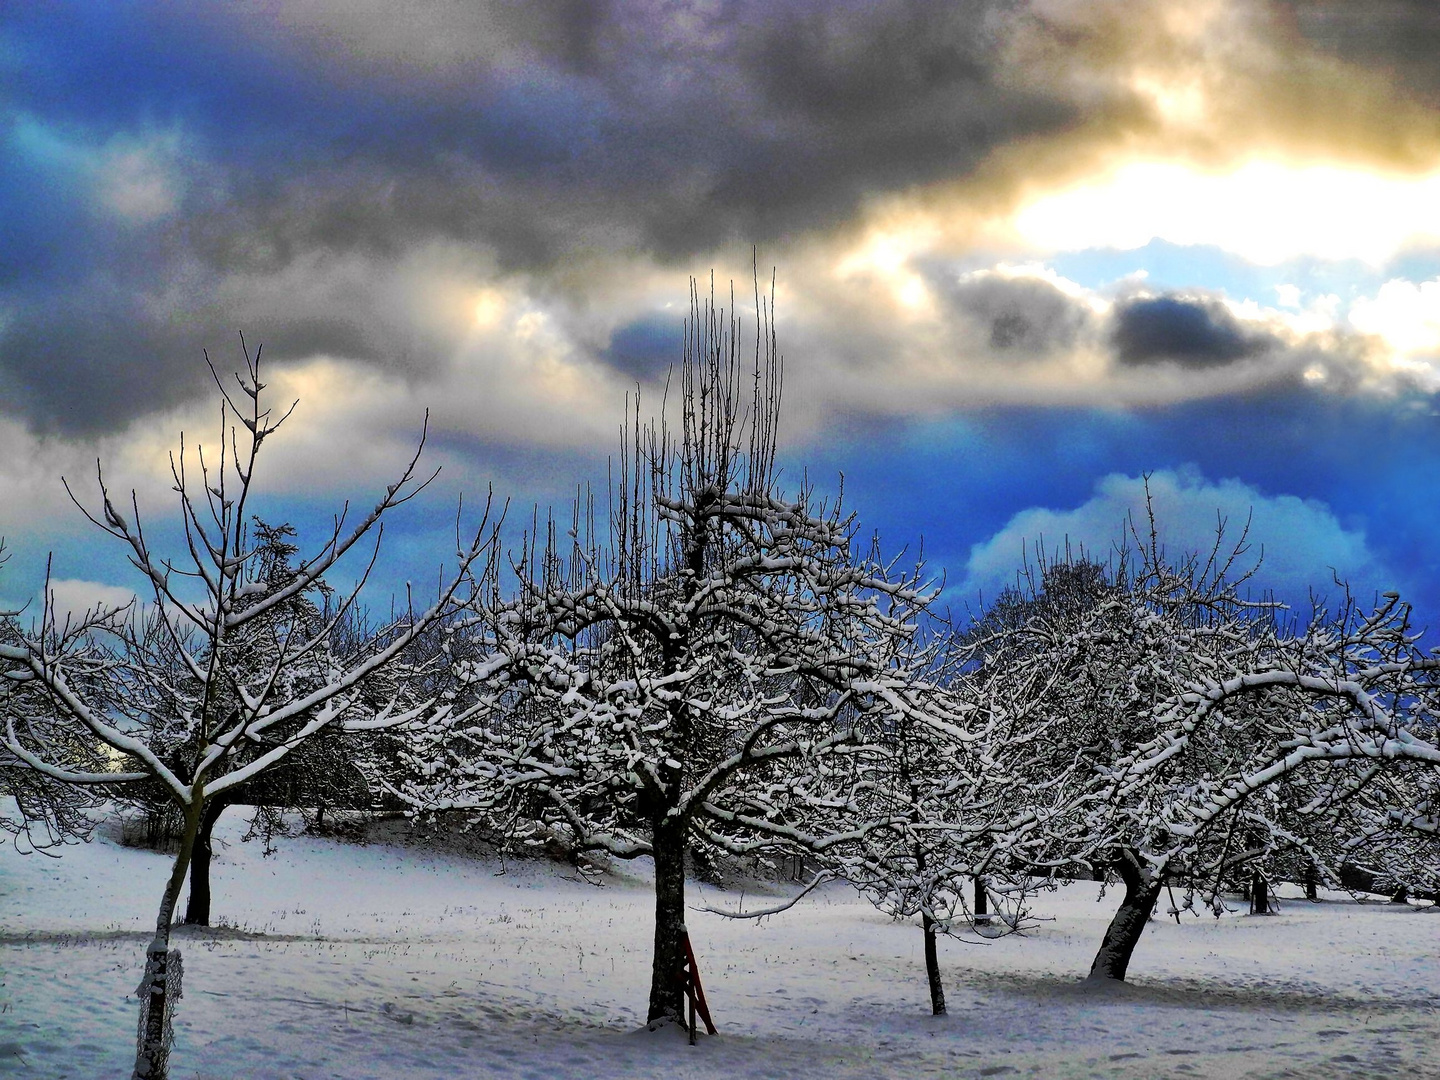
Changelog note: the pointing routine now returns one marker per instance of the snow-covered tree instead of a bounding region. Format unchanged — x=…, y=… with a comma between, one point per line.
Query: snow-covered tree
x=38, y=811
x=1193, y=709
x=1341, y=723
x=942, y=794
x=1391, y=830
x=1359, y=825
x=325, y=767
x=229, y=672
x=691, y=673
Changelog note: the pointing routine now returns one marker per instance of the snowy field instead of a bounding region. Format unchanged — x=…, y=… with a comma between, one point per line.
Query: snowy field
x=348, y=961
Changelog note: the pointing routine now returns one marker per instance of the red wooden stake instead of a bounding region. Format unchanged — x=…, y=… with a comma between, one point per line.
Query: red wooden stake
x=690, y=978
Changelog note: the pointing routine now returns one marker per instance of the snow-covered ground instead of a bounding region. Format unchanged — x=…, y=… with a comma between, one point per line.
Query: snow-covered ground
x=336, y=960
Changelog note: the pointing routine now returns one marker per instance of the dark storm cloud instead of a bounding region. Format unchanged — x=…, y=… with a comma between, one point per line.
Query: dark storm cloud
x=686, y=129
x=350, y=139
x=1192, y=332
x=677, y=130
x=525, y=131
x=1021, y=315
x=1399, y=38
x=94, y=360
x=100, y=356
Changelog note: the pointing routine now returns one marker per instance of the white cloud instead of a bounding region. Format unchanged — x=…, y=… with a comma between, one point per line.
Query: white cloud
x=74, y=598
x=1404, y=313
x=137, y=178
x=140, y=181
x=1264, y=211
x=1303, y=544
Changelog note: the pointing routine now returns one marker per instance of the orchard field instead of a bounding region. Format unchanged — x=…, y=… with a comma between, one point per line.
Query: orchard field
x=339, y=960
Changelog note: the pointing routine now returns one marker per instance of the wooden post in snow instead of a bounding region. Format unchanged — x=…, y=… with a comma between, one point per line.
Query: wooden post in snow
x=689, y=976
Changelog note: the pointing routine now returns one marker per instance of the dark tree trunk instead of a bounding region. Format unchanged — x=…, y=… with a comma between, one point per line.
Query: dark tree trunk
x=667, y=996
x=197, y=907
x=1142, y=889
x=932, y=956
x=932, y=966
x=1312, y=889
x=982, y=900
x=152, y=1054
x=1260, y=895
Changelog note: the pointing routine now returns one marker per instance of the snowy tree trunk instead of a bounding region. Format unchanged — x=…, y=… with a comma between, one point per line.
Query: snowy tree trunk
x=1142, y=889
x=982, y=900
x=932, y=966
x=667, y=997
x=152, y=1052
x=197, y=907
x=1312, y=891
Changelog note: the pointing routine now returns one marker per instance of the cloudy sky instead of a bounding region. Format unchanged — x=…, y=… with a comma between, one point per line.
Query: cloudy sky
x=1026, y=254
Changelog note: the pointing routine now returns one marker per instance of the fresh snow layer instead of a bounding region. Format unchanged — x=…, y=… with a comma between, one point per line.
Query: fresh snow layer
x=333, y=960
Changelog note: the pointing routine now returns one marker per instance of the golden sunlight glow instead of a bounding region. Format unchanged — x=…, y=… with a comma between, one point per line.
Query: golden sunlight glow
x=1176, y=102
x=489, y=308
x=1264, y=211
x=885, y=255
